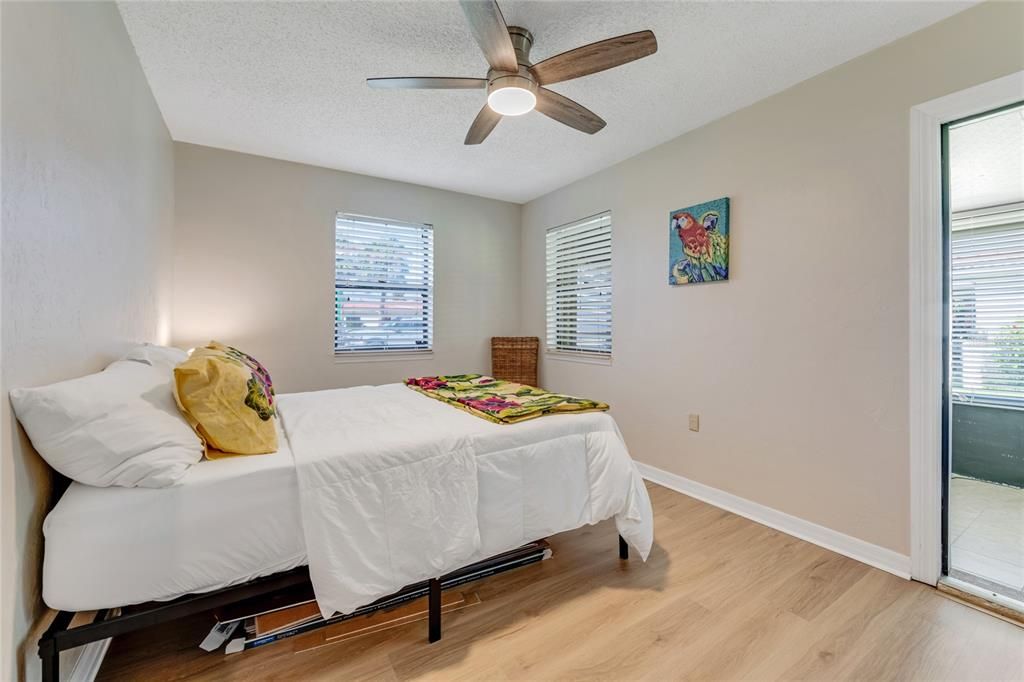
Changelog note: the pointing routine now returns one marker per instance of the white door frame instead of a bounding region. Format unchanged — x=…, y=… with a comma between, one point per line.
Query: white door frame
x=926, y=333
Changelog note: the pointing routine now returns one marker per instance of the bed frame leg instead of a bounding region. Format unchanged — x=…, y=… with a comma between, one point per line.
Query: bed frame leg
x=50, y=659
x=434, y=610
x=623, y=549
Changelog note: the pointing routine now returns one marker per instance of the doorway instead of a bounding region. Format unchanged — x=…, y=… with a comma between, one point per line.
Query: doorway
x=983, y=387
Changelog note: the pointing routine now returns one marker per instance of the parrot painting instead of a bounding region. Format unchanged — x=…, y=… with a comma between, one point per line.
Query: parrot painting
x=703, y=243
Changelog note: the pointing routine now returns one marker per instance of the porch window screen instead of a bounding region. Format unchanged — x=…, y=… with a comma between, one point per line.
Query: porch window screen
x=987, y=307
x=383, y=285
x=579, y=286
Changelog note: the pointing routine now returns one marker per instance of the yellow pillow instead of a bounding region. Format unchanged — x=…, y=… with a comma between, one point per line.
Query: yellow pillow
x=228, y=398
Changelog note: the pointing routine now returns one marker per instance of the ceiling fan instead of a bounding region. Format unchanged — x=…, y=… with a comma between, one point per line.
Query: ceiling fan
x=514, y=85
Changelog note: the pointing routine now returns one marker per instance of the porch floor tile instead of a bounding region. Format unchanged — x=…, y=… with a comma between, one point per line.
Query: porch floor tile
x=986, y=532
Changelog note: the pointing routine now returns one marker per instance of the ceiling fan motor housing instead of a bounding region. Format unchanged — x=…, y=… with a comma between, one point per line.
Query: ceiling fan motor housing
x=522, y=41
x=502, y=79
x=514, y=102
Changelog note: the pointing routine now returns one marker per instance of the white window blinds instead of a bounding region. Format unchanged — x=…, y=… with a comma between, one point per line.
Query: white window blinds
x=579, y=286
x=383, y=285
x=987, y=307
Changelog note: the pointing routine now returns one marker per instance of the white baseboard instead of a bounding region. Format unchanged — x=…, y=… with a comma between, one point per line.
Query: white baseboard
x=865, y=552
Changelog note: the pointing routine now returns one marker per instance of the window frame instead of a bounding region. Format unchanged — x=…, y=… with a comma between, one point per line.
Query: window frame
x=343, y=355
x=576, y=353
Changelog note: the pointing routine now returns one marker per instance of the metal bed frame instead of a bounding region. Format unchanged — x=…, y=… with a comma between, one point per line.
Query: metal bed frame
x=60, y=637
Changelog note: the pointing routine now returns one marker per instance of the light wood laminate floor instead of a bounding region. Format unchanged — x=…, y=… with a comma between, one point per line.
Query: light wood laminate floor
x=721, y=597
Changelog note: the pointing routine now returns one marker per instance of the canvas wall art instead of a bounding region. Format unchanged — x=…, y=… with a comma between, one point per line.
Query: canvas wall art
x=698, y=243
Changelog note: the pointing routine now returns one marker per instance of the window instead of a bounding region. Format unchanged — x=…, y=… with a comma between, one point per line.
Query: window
x=383, y=285
x=987, y=306
x=579, y=286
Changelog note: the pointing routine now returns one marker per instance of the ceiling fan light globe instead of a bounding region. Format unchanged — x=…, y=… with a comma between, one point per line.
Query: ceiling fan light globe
x=512, y=101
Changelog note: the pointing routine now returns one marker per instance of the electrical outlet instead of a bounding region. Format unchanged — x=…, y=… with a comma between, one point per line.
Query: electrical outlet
x=695, y=422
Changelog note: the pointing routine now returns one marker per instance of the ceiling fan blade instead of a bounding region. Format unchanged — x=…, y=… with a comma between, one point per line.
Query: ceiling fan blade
x=427, y=83
x=482, y=126
x=566, y=111
x=490, y=31
x=599, y=56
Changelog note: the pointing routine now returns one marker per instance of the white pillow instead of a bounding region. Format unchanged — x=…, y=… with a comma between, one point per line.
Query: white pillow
x=119, y=427
x=157, y=356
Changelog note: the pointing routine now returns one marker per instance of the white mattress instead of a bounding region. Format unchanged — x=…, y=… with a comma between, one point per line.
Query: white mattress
x=232, y=520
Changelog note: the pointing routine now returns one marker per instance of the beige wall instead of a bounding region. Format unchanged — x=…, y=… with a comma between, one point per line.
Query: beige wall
x=87, y=222
x=254, y=265
x=798, y=366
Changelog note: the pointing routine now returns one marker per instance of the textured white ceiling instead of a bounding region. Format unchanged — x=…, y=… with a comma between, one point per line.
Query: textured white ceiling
x=286, y=79
x=986, y=161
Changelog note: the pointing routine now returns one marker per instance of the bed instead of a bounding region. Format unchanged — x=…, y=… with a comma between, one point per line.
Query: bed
x=236, y=519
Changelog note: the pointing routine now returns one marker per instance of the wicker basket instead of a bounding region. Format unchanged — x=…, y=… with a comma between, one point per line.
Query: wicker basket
x=514, y=358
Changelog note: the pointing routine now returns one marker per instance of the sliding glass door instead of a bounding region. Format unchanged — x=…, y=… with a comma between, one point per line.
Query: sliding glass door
x=984, y=387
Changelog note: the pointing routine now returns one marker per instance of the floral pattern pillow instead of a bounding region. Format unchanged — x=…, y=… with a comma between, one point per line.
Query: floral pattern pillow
x=228, y=398
x=260, y=394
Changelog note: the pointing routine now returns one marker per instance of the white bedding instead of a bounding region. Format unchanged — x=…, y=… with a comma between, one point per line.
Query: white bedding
x=236, y=519
x=389, y=482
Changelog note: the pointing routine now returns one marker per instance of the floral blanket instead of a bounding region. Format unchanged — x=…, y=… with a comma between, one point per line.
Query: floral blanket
x=503, y=402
